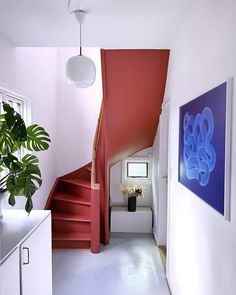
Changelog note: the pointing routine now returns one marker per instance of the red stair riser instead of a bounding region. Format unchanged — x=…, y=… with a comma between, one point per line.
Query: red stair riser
x=71, y=244
x=77, y=190
x=67, y=226
x=71, y=208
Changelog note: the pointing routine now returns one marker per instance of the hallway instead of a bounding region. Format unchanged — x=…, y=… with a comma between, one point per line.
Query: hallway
x=130, y=265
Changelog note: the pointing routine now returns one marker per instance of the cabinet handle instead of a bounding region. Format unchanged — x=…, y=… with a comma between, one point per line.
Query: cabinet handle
x=28, y=257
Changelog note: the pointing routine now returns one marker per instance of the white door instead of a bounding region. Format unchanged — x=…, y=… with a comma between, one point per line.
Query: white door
x=163, y=175
x=10, y=275
x=36, y=261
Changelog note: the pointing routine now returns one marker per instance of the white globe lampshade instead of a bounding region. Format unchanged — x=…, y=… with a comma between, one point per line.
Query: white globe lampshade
x=81, y=71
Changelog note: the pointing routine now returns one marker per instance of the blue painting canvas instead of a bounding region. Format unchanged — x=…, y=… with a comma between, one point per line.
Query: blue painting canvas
x=202, y=146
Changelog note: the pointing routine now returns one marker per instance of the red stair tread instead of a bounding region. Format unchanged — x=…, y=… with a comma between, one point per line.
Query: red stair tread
x=69, y=217
x=71, y=236
x=80, y=182
x=71, y=198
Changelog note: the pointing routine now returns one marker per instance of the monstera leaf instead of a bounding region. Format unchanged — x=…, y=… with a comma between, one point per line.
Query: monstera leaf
x=2, y=166
x=2, y=120
x=23, y=177
x=37, y=138
x=7, y=142
x=15, y=123
x=12, y=130
x=26, y=183
x=29, y=205
x=30, y=159
x=12, y=200
x=14, y=188
x=11, y=162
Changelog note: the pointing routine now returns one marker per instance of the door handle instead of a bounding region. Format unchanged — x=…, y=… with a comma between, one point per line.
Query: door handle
x=28, y=255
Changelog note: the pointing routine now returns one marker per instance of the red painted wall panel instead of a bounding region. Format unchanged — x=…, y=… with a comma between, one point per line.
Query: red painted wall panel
x=133, y=90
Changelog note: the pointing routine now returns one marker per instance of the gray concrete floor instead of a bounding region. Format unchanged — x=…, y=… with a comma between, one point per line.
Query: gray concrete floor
x=130, y=265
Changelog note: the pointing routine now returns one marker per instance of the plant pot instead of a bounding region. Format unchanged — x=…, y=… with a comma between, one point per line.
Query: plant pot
x=3, y=197
x=132, y=204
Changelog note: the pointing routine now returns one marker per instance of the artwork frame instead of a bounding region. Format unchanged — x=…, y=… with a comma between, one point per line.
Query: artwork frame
x=205, y=144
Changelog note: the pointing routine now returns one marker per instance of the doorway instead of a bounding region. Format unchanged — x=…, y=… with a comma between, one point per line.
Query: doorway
x=162, y=182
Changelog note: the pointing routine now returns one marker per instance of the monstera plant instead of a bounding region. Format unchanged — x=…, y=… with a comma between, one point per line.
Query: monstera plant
x=20, y=176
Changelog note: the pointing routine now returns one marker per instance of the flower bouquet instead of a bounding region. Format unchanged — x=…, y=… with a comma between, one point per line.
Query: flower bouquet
x=132, y=191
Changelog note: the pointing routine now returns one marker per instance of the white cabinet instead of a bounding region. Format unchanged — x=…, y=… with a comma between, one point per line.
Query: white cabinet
x=124, y=221
x=10, y=275
x=36, y=261
x=25, y=253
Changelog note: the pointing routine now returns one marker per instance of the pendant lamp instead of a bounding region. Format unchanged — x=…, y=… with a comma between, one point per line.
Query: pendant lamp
x=80, y=69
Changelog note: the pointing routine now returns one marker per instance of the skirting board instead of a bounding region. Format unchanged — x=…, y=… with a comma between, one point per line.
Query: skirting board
x=155, y=237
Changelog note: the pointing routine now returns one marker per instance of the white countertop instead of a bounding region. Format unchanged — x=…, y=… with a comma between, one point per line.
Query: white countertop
x=16, y=226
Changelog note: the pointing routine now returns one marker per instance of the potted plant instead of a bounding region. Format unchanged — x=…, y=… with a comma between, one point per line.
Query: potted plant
x=19, y=176
x=132, y=191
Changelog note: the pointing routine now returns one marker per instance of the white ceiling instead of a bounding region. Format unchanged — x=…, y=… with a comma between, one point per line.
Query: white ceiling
x=109, y=23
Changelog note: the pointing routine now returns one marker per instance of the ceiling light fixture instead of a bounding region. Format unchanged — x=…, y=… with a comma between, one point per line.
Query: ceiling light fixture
x=80, y=69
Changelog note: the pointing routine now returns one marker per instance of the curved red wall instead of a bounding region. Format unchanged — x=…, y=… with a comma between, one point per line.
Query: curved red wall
x=133, y=90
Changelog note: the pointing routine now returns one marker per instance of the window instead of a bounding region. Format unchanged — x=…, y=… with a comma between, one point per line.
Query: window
x=136, y=168
x=20, y=105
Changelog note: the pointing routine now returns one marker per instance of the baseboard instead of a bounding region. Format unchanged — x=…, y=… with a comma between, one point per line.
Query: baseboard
x=156, y=241
x=168, y=284
x=167, y=280
x=155, y=237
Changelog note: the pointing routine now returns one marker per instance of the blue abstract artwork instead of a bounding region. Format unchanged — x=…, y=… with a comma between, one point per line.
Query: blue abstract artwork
x=202, y=146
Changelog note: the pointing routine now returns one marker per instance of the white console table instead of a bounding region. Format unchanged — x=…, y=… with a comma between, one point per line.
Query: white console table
x=139, y=221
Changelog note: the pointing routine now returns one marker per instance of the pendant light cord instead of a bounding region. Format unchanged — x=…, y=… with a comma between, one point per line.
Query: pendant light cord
x=80, y=39
x=80, y=27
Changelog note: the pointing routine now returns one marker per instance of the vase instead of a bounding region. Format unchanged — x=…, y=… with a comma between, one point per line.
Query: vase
x=132, y=204
x=3, y=197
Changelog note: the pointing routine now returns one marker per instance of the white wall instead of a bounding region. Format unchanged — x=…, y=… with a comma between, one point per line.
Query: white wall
x=201, y=252
x=78, y=111
x=32, y=72
x=68, y=114
x=116, y=198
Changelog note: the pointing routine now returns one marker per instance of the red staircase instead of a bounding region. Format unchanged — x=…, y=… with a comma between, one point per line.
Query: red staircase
x=133, y=91
x=71, y=203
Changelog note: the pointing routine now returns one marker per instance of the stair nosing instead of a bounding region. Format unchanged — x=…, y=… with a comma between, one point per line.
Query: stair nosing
x=62, y=199
x=88, y=186
x=71, y=218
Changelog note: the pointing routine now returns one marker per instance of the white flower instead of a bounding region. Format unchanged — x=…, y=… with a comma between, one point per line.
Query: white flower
x=132, y=190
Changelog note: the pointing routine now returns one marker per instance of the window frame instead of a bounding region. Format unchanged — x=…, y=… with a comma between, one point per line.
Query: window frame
x=24, y=102
x=134, y=177
x=125, y=162
x=5, y=94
